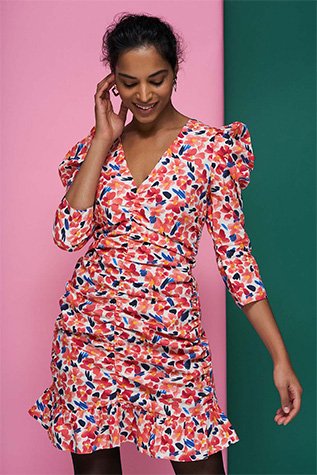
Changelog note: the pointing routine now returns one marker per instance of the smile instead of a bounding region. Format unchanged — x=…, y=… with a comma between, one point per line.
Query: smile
x=145, y=108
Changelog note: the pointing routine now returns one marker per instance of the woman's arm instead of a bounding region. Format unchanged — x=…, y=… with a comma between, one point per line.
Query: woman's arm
x=80, y=170
x=262, y=319
x=232, y=161
x=81, y=194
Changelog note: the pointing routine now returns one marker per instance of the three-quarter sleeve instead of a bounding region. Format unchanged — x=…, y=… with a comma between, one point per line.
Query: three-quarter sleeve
x=72, y=227
x=232, y=161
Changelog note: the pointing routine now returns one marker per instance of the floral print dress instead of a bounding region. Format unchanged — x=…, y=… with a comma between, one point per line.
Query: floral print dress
x=130, y=360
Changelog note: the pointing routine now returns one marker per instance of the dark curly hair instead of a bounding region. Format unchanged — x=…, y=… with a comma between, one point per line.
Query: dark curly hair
x=132, y=31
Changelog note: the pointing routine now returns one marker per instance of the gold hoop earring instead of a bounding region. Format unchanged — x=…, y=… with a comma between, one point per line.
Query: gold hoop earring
x=115, y=90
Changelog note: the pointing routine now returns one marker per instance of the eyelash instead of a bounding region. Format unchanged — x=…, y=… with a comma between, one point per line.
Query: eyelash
x=154, y=83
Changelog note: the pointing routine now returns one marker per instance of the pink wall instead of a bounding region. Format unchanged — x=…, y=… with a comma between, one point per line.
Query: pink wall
x=50, y=58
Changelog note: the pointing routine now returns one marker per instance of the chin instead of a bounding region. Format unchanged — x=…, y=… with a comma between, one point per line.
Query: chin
x=142, y=119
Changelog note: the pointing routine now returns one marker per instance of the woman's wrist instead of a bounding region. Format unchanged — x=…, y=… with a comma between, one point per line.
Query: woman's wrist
x=281, y=359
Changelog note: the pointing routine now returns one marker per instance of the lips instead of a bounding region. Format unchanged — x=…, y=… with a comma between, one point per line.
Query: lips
x=145, y=107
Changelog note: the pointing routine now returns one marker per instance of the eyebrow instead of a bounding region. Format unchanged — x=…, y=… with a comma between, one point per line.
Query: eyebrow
x=150, y=76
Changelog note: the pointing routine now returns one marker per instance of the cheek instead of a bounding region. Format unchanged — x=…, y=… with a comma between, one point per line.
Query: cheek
x=124, y=92
x=165, y=92
x=126, y=97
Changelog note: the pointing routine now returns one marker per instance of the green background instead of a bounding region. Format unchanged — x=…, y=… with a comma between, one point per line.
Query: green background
x=270, y=74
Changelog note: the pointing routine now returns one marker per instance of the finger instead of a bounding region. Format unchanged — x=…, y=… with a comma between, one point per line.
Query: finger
x=296, y=407
x=282, y=418
x=281, y=412
x=285, y=399
x=288, y=418
x=280, y=415
x=106, y=86
x=295, y=398
x=104, y=102
x=107, y=83
x=103, y=92
x=107, y=78
x=112, y=74
x=277, y=418
x=123, y=112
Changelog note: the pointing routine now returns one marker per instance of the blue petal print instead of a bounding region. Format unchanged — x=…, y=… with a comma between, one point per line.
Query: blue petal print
x=179, y=193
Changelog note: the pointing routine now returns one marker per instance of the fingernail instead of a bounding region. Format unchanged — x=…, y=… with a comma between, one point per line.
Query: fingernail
x=286, y=409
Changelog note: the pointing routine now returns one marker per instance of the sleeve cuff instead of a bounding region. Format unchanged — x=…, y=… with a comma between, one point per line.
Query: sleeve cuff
x=252, y=297
x=86, y=211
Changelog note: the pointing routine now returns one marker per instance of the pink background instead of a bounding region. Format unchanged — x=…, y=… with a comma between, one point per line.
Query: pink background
x=51, y=65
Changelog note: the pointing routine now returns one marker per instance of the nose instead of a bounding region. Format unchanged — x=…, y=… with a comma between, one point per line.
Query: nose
x=144, y=93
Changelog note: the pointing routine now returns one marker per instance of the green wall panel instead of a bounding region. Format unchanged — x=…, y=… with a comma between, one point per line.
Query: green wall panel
x=270, y=84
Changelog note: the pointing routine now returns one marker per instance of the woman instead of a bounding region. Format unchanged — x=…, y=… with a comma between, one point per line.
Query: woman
x=130, y=359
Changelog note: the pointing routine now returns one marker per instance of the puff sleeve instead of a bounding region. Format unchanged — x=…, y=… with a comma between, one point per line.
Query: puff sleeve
x=232, y=161
x=72, y=228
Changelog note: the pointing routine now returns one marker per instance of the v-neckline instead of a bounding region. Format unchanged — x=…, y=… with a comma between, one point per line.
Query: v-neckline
x=152, y=173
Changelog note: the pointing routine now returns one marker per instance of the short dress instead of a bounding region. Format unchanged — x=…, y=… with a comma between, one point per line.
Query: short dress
x=130, y=360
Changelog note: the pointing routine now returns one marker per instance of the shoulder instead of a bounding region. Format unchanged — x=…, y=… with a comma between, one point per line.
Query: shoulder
x=235, y=130
x=231, y=151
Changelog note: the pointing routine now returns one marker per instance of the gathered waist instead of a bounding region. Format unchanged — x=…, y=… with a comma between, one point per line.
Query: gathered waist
x=137, y=243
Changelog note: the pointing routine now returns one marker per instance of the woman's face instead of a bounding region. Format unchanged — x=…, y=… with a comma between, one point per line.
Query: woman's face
x=144, y=78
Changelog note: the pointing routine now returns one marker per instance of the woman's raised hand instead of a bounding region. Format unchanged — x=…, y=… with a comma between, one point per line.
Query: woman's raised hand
x=109, y=125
